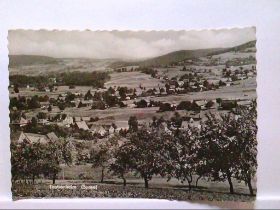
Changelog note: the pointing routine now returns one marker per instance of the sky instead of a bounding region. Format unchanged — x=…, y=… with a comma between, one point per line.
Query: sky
x=121, y=44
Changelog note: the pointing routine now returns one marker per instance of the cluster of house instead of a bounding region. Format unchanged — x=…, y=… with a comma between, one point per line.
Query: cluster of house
x=193, y=83
x=83, y=123
x=240, y=73
x=80, y=123
x=224, y=60
x=241, y=61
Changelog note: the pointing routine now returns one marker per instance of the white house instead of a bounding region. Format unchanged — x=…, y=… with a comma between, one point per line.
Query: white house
x=98, y=129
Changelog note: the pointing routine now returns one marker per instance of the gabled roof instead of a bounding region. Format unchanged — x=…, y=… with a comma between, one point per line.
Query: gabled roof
x=33, y=138
x=86, y=118
x=82, y=125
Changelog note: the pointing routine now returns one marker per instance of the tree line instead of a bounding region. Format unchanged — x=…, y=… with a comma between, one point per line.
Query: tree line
x=95, y=79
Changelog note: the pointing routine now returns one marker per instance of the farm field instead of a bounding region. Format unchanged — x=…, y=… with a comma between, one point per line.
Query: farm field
x=132, y=80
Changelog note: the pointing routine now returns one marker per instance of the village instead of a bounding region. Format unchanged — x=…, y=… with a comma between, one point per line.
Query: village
x=65, y=109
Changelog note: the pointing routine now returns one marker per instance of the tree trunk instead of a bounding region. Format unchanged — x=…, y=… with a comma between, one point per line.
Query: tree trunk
x=102, y=175
x=54, y=178
x=190, y=186
x=189, y=179
x=197, y=181
x=33, y=179
x=146, y=182
x=124, y=181
x=230, y=183
x=250, y=186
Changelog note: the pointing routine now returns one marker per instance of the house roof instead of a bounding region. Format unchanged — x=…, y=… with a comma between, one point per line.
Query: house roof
x=82, y=125
x=87, y=101
x=214, y=81
x=86, y=118
x=244, y=103
x=33, y=138
x=200, y=103
x=52, y=136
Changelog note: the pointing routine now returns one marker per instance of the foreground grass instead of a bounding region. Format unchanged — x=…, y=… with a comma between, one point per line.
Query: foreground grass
x=130, y=191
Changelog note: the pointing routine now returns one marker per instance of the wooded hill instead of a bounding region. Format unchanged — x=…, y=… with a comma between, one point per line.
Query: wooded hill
x=167, y=59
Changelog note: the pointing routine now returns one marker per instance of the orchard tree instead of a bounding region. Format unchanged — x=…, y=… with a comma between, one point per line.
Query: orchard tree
x=121, y=163
x=56, y=153
x=218, y=139
x=101, y=155
x=247, y=145
x=182, y=155
x=19, y=163
x=99, y=158
x=143, y=148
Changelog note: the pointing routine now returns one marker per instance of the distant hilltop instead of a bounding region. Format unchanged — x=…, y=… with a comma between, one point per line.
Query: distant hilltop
x=26, y=60
x=182, y=55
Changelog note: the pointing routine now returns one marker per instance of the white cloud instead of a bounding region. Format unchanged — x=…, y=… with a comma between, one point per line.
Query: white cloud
x=116, y=44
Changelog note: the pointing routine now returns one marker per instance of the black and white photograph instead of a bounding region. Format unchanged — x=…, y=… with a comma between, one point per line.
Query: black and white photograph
x=134, y=114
